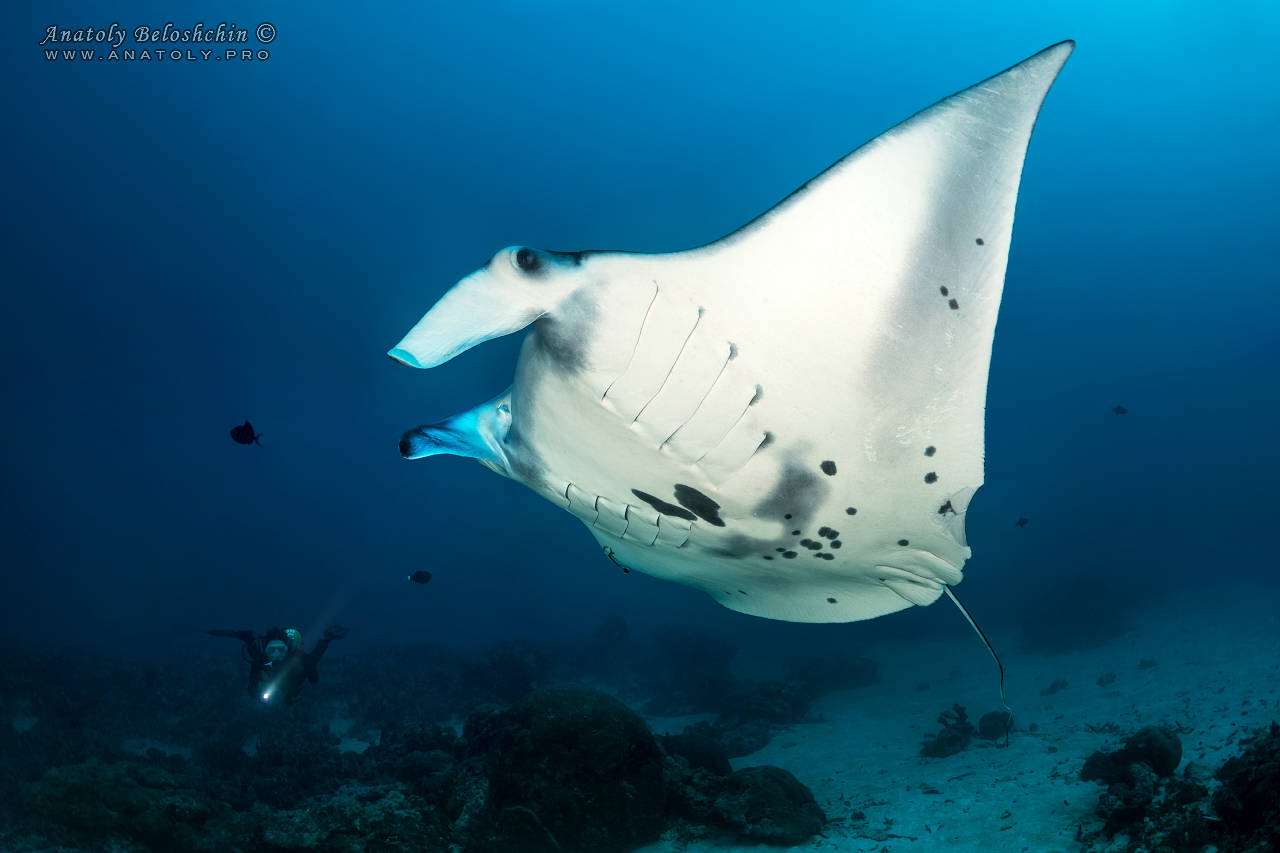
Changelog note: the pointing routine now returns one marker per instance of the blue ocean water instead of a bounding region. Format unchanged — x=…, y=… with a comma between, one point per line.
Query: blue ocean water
x=192, y=243
x=191, y=240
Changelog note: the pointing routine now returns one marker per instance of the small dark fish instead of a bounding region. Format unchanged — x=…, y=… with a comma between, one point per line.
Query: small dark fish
x=244, y=434
x=1120, y=410
x=1022, y=522
x=420, y=576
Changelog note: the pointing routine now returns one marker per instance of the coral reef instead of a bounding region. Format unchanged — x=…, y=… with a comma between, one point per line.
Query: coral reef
x=754, y=805
x=698, y=750
x=956, y=733
x=569, y=769
x=1248, y=802
x=994, y=725
x=123, y=799
x=769, y=805
x=1148, y=806
x=99, y=755
x=507, y=672
x=758, y=711
x=1156, y=747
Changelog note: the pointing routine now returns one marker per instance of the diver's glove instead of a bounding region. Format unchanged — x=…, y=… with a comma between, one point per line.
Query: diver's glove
x=335, y=632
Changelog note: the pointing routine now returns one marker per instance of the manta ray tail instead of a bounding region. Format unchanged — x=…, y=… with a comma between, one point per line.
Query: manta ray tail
x=965, y=613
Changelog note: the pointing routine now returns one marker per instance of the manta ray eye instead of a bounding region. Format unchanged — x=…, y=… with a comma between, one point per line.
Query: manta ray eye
x=528, y=261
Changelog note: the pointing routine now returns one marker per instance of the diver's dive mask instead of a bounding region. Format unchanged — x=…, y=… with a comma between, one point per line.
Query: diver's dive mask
x=276, y=651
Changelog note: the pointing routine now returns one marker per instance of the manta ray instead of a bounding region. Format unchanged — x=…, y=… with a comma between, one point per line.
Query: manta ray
x=789, y=418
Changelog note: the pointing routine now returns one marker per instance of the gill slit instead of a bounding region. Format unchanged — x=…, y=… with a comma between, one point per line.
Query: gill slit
x=672, y=368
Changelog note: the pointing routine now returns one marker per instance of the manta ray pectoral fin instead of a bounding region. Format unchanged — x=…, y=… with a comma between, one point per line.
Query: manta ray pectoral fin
x=479, y=433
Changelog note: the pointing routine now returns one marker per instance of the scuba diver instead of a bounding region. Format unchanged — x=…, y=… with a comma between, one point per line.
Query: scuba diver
x=278, y=666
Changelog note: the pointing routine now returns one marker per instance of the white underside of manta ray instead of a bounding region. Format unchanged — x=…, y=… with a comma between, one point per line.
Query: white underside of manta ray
x=789, y=418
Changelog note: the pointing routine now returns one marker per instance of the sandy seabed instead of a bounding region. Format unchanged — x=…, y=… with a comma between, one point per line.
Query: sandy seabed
x=1216, y=678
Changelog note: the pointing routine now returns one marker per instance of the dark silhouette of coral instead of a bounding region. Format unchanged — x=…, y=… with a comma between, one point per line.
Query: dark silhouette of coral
x=757, y=711
x=564, y=769
x=508, y=671
x=767, y=805
x=700, y=751
x=956, y=733
x=1249, y=800
x=1159, y=810
x=572, y=768
x=994, y=725
x=1157, y=747
x=754, y=805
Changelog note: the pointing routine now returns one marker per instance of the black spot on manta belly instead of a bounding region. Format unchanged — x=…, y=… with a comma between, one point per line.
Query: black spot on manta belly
x=945, y=508
x=943, y=290
x=904, y=543
x=798, y=492
x=828, y=467
x=931, y=477
x=930, y=450
x=694, y=500
x=663, y=507
x=955, y=306
x=850, y=510
x=979, y=241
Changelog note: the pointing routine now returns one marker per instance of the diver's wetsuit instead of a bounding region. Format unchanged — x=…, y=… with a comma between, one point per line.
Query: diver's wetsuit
x=282, y=679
